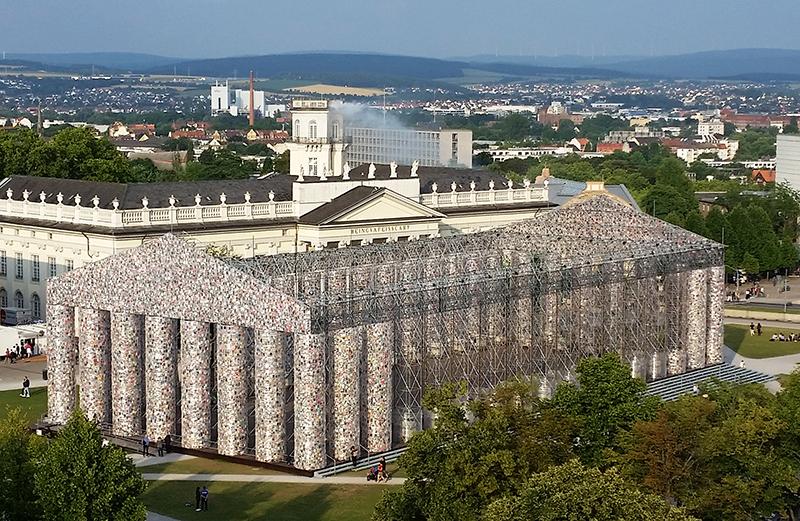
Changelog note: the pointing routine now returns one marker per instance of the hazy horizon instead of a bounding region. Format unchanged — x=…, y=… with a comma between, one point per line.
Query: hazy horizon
x=191, y=29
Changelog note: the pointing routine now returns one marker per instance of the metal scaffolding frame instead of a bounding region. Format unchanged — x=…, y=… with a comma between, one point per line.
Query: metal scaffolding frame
x=530, y=299
x=312, y=353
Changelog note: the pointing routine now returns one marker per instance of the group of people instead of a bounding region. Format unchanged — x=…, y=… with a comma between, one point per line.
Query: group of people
x=17, y=351
x=755, y=291
x=779, y=337
x=161, y=445
x=378, y=473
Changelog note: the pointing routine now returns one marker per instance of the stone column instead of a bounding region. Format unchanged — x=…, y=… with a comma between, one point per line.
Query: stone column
x=95, y=359
x=716, y=315
x=346, y=425
x=161, y=376
x=270, y=395
x=127, y=373
x=62, y=357
x=380, y=340
x=195, y=384
x=231, y=390
x=697, y=319
x=309, y=401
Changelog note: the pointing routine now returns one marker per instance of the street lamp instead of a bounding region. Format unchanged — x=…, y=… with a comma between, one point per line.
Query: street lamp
x=736, y=276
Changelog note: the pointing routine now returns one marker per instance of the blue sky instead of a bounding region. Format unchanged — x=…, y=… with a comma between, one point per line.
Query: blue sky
x=217, y=28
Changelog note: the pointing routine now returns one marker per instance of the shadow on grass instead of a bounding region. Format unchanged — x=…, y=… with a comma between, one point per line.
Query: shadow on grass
x=247, y=501
x=734, y=337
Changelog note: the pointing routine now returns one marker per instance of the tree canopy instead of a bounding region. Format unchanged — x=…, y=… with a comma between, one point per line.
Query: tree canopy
x=77, y=478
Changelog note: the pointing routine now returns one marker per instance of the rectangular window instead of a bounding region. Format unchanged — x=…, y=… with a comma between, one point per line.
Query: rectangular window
x=3, y=264
x=68, y=265
x=51, y=263
x=19, y=269
x=35, y=268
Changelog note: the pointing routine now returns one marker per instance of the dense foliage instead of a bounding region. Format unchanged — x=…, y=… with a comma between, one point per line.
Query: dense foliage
x=74, y=477
x=602, y=450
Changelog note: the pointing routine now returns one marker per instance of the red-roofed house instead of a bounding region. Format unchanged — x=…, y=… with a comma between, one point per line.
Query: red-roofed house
x=610, y=148
x=764, y=176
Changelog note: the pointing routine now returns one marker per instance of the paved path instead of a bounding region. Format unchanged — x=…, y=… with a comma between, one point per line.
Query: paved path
x=144, y=461
x=11, y=374
x=152, y=516
x=271, y=478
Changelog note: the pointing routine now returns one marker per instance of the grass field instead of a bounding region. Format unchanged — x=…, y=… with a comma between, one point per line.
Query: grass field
x=738, y=338
x=33, y=407
x=261, y=501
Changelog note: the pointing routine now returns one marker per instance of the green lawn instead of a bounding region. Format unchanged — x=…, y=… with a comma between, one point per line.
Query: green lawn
x=273, y=501
x=205, y=466
x=738, y=338
x=33, y=407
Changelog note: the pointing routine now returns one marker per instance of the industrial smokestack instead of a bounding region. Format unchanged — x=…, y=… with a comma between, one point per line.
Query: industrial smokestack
x=252, y=111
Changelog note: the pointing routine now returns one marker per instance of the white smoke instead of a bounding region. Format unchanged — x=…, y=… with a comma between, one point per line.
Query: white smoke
x=363, y=116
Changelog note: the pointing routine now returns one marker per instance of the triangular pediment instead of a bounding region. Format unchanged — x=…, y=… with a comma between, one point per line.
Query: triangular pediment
x=388, y=205
x=168, y=277
x=365, y=204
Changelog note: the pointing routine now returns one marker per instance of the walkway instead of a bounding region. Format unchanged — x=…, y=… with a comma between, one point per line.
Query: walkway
x=273, y=478
x=143, y=462
x=11, y=374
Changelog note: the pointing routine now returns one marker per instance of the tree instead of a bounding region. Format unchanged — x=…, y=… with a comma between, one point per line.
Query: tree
x=696, y=224
x=457, y=468
x=281, y=163
x=791, y=128
x=750, y=264
x=515, y=127
x=606, y=401
x=661, y=200
x=142, y=170
x=572, y=491
x=79, y=479
x=19, y=451
x=719, y=455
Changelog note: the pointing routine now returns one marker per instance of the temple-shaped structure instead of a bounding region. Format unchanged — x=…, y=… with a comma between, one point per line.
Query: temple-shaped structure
x=297, y=357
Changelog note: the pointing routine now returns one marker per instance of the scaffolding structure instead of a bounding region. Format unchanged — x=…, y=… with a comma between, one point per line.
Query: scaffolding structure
x=345, y=341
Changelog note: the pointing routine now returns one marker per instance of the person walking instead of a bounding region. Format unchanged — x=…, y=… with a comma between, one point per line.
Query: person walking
x=145, y=445
x=204, y=498
x=758, y=328
x=197, y=499
x=8, y=356
x=26, y=388
x=752, y=329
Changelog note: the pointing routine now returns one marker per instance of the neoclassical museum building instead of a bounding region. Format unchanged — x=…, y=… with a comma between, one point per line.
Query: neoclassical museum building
x=295, y=357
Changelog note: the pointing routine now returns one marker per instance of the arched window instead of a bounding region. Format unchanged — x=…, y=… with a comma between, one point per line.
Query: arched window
x=312, y=129
x=19, y=300
x=36, y=306
x=3, y=298
x=335, y=130
x=297, y=129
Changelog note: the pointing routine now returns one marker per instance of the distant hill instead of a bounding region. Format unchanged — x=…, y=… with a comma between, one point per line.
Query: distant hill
x=365, y=70
x=124, y=61
x=380, y=70
x=567, y=60
x=744, y=64
x=275, y=65
x=761, y=64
